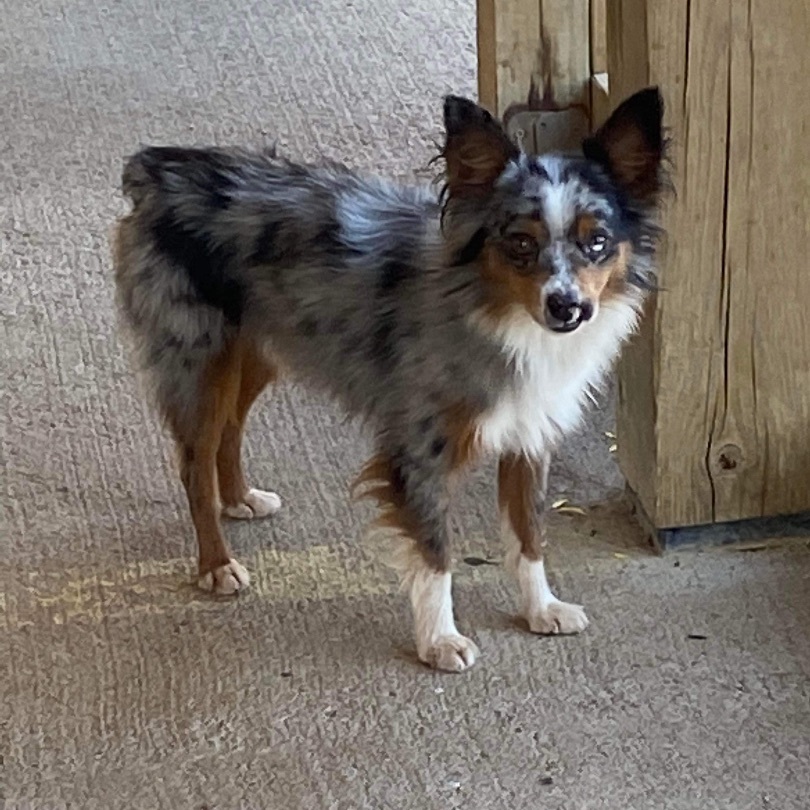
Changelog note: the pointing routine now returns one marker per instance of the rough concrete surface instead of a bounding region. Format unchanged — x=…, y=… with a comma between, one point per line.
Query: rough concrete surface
x=122, y=687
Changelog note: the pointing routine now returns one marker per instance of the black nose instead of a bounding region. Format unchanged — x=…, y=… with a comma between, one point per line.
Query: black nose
x=565, y=311
x=563, y=307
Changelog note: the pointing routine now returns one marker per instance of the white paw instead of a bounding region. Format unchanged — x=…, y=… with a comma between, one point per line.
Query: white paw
x=257, y=504
x=240, y=511
x=558, y=618
x=225, y=580
x=451, y=653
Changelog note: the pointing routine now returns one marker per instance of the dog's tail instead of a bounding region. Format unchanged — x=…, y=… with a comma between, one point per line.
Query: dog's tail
x=148, y=168
x=193, y=170
x=141, y=172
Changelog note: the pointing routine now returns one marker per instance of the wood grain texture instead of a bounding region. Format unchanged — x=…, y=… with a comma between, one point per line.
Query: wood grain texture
x=565, y=32
x=598, y=36
x=533, y=52
x=517, y=52
x=600, y=99
x=765, y=402
x=713, y=413
x=639, y=369
x=487, y=54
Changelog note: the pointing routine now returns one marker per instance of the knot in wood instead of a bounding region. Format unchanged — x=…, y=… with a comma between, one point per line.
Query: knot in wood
x=729, y=458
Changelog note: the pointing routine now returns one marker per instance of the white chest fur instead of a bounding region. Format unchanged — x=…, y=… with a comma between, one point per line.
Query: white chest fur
x=553, y=374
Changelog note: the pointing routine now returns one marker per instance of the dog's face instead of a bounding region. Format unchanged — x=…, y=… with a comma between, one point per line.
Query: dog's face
x=558, y=235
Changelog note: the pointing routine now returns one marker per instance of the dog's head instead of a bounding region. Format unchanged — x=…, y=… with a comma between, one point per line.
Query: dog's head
x=557, y=235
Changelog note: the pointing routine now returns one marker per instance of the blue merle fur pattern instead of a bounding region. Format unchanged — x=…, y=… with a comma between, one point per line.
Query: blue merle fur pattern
x=371, y=292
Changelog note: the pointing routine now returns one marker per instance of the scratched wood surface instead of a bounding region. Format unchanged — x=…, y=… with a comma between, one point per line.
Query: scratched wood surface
x=715, y=393
x=531, y=51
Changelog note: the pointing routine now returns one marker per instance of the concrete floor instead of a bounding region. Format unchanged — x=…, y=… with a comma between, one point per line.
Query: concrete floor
x=122, y=687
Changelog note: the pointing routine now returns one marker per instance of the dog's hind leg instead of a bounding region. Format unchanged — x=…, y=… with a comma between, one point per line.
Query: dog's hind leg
x=199, y=436
x=238, y=499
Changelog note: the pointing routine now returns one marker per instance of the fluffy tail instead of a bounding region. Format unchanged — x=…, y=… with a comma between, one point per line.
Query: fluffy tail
x=141, y=171
x=149, y=168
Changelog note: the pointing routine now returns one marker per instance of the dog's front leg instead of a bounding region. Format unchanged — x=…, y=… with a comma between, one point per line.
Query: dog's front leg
x=522, y=485
x=438, y=642
x=413, y=497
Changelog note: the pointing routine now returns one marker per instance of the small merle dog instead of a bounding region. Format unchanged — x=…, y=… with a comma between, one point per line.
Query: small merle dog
x=458, y=324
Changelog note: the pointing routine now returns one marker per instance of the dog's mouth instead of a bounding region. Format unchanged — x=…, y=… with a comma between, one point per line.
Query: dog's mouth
x=570, y=319
x=564, y=328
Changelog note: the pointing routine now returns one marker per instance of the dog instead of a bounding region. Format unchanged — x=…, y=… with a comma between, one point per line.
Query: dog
x=459, y=321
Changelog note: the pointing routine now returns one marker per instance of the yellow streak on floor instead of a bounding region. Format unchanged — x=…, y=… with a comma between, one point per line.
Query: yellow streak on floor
x=154, y=586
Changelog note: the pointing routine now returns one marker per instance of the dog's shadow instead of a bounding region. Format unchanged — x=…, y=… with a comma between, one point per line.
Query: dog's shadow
x=316, y=634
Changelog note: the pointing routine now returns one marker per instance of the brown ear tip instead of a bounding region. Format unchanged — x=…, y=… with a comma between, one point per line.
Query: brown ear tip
x=644, y=112
x=593, y=150
x=631, y=144
x=649, y=102
x=460, y=113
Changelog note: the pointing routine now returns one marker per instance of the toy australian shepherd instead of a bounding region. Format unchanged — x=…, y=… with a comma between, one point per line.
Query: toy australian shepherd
x=458, y=323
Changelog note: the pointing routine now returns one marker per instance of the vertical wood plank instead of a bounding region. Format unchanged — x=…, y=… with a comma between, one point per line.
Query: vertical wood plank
x=733, y=445
x=600, y=99
x=779, y=214
x=598, y=37
x=760, y=450
x=636, y=420
x=599, y=80
x=517, y=44
x=565, y=31
x=486, y=24
x=669, y=376
x=714, y=409
x=531, y=52
x=691, y=358
x=628, y=46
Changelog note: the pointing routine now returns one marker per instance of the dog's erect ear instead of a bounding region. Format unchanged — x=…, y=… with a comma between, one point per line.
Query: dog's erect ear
x=630, y=145
x=476, y=148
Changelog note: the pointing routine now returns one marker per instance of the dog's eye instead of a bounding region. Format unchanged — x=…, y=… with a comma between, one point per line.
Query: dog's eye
x=596, y=245
x=521, y=246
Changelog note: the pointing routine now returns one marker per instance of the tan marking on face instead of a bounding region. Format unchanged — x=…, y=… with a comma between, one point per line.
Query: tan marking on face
x=509, y=285
x=585, y=225
x=598, y=282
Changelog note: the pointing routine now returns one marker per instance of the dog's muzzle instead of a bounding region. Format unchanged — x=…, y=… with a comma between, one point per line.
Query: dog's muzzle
x=565, y=311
